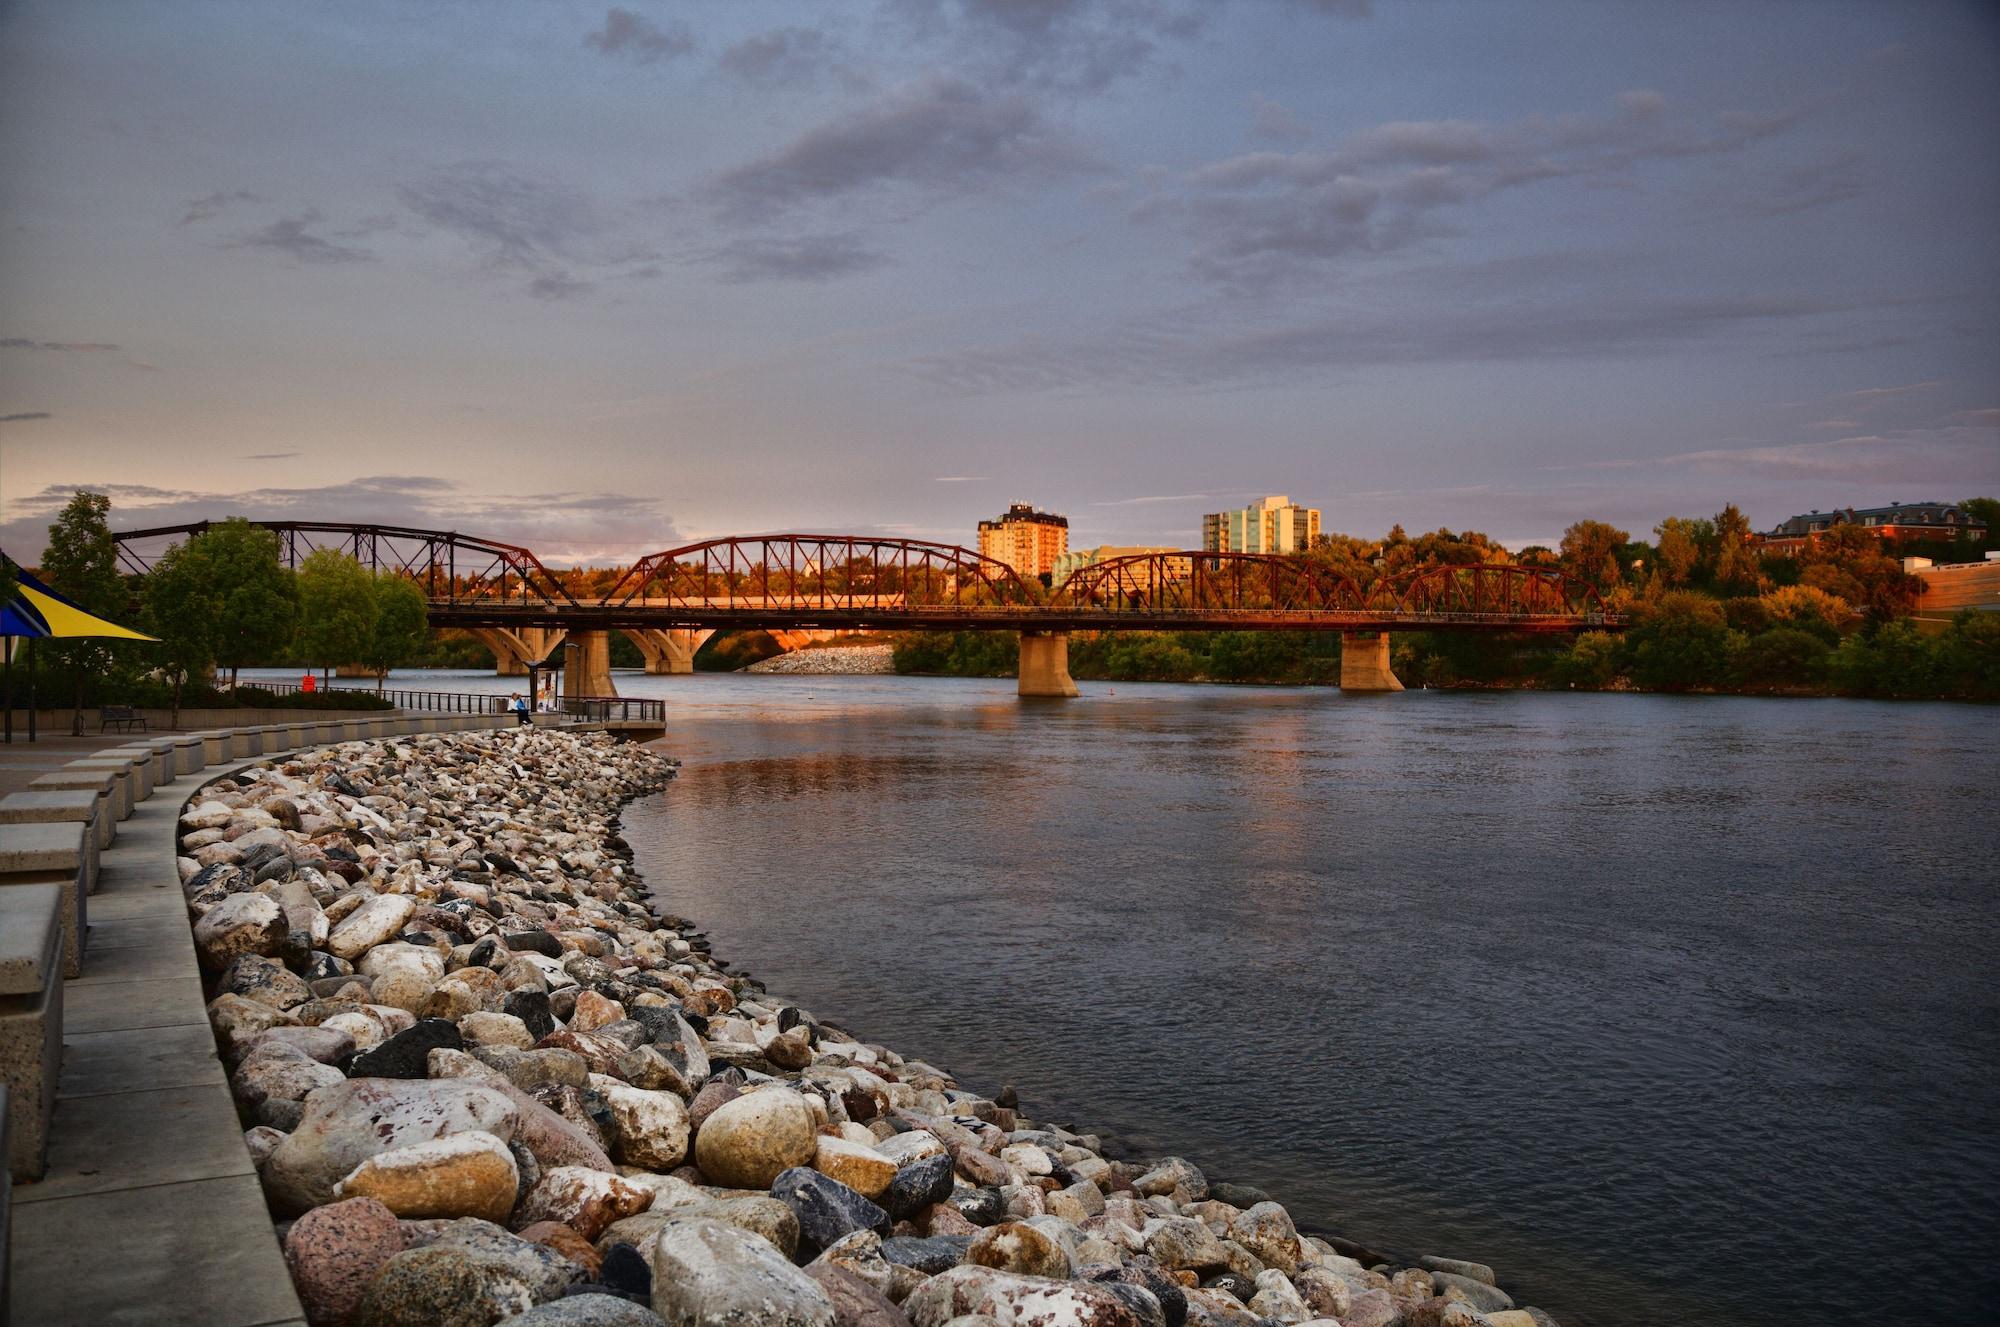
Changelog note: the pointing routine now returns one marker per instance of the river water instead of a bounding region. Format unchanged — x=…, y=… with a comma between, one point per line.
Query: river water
x=1672, y=1009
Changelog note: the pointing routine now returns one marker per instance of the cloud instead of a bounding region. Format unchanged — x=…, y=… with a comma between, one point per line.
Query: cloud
x=270, y=456
x=1275, y=123
x=1811, y=187
x=509, y=219
x=1877, y=393
x=1213, y=344
x=939, y=137
x=558, y=285
x=293, y=237
x=202, y=209
x=627, y=33
x=1351, y=9
x=960, y=479
x=1069, y=46
x=802, y=258
x=1988, y=417
x=1267, y=218
x=562, y=528
x=65, y=347
x=1920, y=457
x=780, y=58
x=24, y=416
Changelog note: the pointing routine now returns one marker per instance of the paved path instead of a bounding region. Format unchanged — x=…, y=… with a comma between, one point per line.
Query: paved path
x=150, y=1212
x=22, y=761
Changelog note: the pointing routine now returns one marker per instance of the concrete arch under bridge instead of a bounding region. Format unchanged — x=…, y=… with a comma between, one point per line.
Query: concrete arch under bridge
x=587, y=664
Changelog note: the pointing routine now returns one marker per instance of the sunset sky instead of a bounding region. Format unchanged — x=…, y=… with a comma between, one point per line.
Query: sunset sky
x=602, y=280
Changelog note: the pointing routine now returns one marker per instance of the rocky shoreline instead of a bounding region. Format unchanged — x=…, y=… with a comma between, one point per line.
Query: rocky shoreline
x=483, y=1084
x=831, y=659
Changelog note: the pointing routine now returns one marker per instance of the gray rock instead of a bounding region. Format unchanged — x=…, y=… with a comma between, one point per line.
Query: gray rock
x=1008, y=1298
x=585, y=1311
x=349, y=1122
x=1486, y=1298
x=472, y=1275
x=707, y=1274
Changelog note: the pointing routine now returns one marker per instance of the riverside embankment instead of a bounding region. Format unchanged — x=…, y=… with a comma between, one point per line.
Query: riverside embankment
x=481, y=1076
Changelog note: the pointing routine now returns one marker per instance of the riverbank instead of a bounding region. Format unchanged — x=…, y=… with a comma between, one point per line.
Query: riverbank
x=450, y=1017
x=829, y=660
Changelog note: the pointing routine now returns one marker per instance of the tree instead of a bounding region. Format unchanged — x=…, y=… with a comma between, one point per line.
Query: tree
x=1678, y=553
x=337, y=609
x=81, y=563
x=181, y=608
x=250, y=601
x=1782, y=657
x=1590, y=552
x=402, y=623
x=1683, y=641
x=1808, y=609
x=1735, y=559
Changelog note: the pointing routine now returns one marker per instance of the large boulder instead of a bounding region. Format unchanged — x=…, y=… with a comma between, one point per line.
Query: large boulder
x=375, y=922
x=585, y=1311
x=1015, y=1246
x=349, y=1122
x=1010, y=1298
x=828, y=1210
x=335, y=1251
x=467, y=1174
x=748, y=1142
x=585, y=1200
x=860, y=1168
x=1267, y=1231
x=648, y=1129
x=240, y=924
x=707, y=1274
x=472, y=1275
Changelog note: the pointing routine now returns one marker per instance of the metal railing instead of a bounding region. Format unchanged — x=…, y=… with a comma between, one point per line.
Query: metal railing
x=619, y=709
x=596, y=709
x=438, y=702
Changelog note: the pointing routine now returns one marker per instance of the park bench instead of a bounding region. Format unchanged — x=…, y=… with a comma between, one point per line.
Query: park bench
x=124, y=716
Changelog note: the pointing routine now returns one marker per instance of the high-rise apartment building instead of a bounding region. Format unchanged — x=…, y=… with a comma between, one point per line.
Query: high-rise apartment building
x=1275, y=525
x=1146, y=574
x=1027, y=540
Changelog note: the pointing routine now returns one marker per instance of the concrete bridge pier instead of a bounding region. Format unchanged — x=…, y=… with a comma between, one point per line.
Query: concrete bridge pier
x=587, y=665
x=668, y=652
x=513, y=650
x=1364, y=662
x=1045, y=664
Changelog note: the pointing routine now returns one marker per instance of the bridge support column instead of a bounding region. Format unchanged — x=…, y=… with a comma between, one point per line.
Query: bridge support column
x=513, y=650
x=1364, y=662
x=1045, y=664
x=668, y=652
x=587, y=664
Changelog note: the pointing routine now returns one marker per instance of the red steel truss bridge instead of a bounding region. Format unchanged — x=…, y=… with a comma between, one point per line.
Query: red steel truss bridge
x=815, y=581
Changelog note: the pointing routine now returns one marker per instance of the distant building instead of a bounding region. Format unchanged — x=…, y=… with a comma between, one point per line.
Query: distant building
x=1275, y=525
x=1027, y=540
x=1145, y=575
x=1954, y=588
x=1941, y=522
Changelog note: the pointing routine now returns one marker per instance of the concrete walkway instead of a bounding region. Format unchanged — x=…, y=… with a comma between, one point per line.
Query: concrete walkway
x=150, y=1212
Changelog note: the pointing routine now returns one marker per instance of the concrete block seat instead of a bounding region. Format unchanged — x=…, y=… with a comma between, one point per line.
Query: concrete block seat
x=277, y=737
x=145, y=760
x=245, y=742
x=189, y=757
x=62, y=853
x=31, y=991
x=99, y=784
x=33, y=806
x=165, y=765
x=129, y=780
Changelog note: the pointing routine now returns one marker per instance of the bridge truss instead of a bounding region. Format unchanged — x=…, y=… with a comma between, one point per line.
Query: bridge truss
x=842, y=581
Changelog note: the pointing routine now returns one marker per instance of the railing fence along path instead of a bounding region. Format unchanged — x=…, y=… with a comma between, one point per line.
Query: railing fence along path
x=596, y=709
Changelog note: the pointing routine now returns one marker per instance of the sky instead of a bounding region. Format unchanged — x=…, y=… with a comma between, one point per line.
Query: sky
x=605, y=280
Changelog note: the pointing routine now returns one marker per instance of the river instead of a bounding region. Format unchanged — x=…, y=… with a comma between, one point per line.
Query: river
x=1672, y=1009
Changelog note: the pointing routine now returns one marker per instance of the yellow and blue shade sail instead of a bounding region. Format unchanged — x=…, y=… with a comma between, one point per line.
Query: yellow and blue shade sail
x=36, y=610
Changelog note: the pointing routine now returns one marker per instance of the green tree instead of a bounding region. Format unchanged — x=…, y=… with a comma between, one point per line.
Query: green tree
x=181, y=608
x=1784, y=656
x=337, y=609
x=1590, y=552
x=253, y=600
x=1967, y=657
x=1889, y=659
x=1682, y=642
x=1678, y=554
x=1591, y=663
x=81, y=563
x=401, y=627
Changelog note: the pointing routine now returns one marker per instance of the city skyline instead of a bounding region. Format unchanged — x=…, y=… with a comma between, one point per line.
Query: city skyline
x=602, y=279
